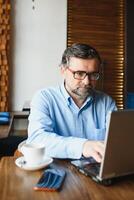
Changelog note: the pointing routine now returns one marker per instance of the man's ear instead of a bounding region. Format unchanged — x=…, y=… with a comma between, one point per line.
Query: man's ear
x=62, y=70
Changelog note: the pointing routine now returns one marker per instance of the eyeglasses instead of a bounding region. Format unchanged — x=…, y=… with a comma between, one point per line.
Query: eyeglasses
x=81, y=75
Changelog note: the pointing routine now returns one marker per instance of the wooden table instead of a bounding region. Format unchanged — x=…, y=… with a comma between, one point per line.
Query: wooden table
x=17, y=184
x=6, y=130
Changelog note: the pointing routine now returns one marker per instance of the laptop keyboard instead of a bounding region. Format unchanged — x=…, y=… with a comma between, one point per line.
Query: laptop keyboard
x=87, y=166
x=92, y=169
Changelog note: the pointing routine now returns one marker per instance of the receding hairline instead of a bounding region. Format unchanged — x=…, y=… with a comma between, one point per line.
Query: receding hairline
x=80, y=50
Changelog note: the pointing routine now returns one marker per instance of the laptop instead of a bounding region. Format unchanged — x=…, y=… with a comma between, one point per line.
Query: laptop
x=118, y=159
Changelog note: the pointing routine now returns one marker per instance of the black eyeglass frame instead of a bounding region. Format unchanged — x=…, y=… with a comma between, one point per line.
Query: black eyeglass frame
x=94, y=76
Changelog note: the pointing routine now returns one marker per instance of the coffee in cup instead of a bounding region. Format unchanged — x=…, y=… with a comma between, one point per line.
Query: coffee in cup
x=33, y=153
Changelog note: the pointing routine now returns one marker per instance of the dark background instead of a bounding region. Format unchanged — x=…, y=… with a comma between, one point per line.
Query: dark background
x=130, y=46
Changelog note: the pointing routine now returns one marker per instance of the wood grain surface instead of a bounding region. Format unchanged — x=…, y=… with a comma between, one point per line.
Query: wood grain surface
x=17, y=184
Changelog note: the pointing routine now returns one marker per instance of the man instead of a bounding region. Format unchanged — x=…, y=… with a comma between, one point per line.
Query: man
x=70, y=120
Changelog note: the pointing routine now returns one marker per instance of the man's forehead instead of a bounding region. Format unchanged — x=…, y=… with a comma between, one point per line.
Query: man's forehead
x=83, y=62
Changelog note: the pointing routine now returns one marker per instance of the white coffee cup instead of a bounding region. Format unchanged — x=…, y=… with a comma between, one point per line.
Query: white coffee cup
x=33, y=153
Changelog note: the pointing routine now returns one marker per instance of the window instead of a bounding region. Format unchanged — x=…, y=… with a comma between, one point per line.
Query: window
x=101, y=24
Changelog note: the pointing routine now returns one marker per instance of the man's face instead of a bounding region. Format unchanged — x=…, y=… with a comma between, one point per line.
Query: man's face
x=80, y=88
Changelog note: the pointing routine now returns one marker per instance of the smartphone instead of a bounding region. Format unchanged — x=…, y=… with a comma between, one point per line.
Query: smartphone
x=83, y=162
x=51, y=180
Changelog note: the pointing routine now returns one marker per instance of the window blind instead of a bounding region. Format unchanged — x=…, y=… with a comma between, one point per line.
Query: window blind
x=101, y=23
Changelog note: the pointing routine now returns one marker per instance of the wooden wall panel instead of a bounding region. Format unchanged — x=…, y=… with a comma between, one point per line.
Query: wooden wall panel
x=101, y=24
x=4, y=48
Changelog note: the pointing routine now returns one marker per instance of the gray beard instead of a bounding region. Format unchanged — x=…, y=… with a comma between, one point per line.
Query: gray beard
x=83, y=95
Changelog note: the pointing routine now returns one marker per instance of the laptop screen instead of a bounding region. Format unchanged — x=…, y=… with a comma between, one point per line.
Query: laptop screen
x=119, y=152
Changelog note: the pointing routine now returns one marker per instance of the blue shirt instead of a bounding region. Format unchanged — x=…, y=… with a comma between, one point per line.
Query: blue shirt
x=58, y=123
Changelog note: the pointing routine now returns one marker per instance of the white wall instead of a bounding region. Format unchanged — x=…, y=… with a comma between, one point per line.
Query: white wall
x=38, y=41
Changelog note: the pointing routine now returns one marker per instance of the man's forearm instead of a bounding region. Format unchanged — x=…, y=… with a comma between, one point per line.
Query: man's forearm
x=58, y=146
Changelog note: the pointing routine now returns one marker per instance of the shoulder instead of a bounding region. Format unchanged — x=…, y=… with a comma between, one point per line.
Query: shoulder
x=105, y=100
x=47, y=91
x=46, y=94
x=99, y=95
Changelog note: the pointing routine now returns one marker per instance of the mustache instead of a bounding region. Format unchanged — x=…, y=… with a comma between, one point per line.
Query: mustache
x=88, y=87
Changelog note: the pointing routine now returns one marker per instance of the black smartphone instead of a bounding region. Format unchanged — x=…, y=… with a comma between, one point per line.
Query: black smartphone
x=51, y=180
x=83, y=162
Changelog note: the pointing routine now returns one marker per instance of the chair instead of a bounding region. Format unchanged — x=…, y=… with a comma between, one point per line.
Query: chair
x=9, y=145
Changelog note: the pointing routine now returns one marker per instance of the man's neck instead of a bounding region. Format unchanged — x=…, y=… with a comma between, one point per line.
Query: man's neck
x=79, y=101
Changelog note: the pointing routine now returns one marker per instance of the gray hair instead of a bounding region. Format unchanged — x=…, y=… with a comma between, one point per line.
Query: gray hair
x=79, y=50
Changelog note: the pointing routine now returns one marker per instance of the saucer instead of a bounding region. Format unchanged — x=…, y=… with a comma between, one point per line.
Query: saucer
x=21, y=163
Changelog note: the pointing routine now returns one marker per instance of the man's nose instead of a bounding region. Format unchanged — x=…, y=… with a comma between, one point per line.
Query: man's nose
x=86, y=80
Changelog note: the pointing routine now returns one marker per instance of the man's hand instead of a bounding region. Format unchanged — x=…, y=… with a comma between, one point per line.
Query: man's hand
x=93, y=149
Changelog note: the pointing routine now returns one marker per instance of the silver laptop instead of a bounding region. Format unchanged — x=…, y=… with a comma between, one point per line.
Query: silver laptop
x=118, y=158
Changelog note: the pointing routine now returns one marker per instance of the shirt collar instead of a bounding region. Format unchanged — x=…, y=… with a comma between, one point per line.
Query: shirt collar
x=88, y=101
x=65, y=94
